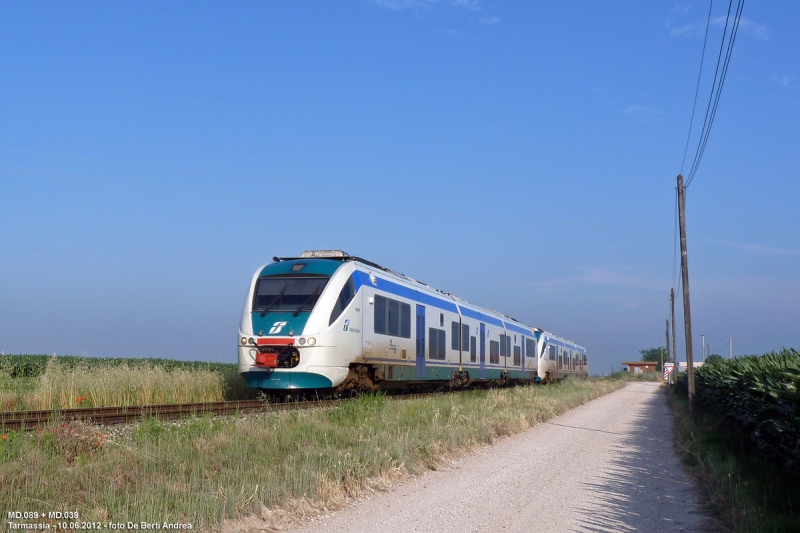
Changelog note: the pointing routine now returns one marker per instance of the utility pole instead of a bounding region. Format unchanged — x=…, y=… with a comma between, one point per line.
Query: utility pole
x=730, y=345
x=661, y=347
x=669, y=378
x=687, y=312
x=674, y=342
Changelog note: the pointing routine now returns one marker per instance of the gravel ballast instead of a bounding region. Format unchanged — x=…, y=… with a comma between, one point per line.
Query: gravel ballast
x=609, y=465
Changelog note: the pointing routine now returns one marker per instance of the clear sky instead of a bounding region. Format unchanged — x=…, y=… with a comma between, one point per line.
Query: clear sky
x=521, y=155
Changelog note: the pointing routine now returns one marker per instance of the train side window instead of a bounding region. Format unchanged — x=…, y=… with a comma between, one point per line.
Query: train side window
x=405, y=320
x=503, y=352
x=345, y=297
x=552, y=353
x=517, y=355
x=380, y=314
x=530, y=348
x=455, y=336
x=437, y=342
x=465, y=336
x=392, y=317
x=472, y=351
x=441, y=319
x=494, y=352
x=508, y=345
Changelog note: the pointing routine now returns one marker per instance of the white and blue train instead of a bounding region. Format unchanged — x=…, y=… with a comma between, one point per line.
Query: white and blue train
x=334, y=322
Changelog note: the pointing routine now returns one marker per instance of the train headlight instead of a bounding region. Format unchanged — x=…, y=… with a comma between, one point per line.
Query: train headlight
x=301, y=341
x=244, y=340
x=251, y=340
x=312, y=341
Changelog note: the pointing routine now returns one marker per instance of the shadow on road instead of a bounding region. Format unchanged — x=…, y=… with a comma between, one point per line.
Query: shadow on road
x=644, y=487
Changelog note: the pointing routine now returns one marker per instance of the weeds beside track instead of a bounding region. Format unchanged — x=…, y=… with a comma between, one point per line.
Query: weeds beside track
x=45, y=383
x=207, y=470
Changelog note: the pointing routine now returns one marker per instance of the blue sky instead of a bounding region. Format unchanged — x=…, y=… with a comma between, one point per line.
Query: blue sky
x=522, y=155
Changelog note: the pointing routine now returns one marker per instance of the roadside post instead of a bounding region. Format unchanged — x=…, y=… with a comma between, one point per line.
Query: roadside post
x=668, y=368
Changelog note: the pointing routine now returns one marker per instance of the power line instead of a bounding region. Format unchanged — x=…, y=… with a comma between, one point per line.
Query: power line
x=697, y=88
x=716, y=87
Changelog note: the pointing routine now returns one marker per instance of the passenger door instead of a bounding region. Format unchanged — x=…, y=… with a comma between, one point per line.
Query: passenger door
x=420, y=341
x=483, y=351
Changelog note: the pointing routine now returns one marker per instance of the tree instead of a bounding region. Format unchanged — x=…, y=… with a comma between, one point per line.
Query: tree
x=714, y=358
x=653, y=355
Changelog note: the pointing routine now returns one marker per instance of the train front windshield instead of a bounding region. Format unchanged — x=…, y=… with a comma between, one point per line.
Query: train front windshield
x=288, y=293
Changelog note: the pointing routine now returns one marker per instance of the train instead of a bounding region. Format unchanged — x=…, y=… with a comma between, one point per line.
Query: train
x=330, y=322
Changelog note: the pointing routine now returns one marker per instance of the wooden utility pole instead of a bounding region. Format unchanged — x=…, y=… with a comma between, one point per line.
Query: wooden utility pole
x=687, y=313
x=669, y=378
x=674, y=342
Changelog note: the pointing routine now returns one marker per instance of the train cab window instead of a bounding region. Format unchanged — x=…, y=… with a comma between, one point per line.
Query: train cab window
x=345, y=297
x=494, y=352
x=294, y=293
x=517, y=356
x=472, y=350
x=392, y=317
x=436, y=344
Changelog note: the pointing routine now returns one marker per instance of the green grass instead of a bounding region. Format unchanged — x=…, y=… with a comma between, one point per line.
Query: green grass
x=747, y=490
x=209, y=470
x=33, y=366
x=630, y=376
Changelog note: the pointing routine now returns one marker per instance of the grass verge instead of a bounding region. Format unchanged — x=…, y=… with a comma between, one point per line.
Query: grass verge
x=68, y=383
x=208, y=470
x=746, y=492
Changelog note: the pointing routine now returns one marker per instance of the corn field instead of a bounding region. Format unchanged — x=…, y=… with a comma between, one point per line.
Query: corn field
x=759, y=396
x=33, y=366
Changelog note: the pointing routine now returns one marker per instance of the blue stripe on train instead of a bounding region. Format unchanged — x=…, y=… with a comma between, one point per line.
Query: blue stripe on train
x=362, y=278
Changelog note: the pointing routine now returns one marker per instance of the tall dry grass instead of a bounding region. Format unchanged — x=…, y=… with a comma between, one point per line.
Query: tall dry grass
x=62, y=387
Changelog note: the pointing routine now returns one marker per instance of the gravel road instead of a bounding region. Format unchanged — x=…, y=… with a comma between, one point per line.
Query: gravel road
x=608, y=465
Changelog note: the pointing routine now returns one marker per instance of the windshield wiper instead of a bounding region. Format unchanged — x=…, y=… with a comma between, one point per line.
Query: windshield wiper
x=277, y=301
x=311, y=299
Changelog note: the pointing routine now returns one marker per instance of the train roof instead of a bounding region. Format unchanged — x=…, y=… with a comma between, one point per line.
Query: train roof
x=472, y=311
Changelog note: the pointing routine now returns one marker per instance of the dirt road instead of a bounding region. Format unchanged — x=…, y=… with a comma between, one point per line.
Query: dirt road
x=608, y=465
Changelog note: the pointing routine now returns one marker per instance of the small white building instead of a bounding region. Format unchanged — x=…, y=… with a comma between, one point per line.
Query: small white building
x=682, y=366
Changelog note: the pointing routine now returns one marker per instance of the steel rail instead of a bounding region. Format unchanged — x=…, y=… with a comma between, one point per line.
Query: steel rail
x=120, y=415
x=26, y=420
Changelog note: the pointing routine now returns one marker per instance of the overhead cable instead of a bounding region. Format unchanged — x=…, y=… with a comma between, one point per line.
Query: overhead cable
x=720, y=74
x=697, y=88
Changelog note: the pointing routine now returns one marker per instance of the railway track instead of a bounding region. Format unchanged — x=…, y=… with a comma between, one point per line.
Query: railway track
x=119, y=415
x=26, y=420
